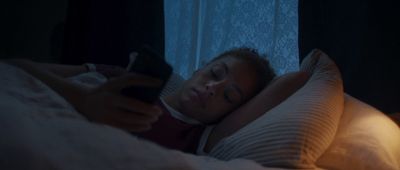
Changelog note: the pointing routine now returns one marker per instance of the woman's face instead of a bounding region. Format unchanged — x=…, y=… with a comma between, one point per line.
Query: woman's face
x=217, y=89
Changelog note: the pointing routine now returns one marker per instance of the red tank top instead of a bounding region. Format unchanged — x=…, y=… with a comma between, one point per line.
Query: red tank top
x=173, y=133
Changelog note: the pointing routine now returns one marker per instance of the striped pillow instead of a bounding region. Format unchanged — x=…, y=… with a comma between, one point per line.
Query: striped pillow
x=366, y=139
x=295, y=133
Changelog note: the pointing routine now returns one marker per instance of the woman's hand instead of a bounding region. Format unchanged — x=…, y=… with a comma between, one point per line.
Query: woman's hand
x=110, y=71
x=105, y=104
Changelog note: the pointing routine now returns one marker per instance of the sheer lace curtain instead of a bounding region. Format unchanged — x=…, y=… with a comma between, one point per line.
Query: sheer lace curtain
x=198, y=30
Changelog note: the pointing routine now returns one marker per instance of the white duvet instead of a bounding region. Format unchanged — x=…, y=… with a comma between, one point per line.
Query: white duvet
x=40, y=130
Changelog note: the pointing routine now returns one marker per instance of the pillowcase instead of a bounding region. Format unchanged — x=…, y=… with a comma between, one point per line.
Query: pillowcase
x=395, y=117
x=277, y=91
x=366, y=139
x=295, y=133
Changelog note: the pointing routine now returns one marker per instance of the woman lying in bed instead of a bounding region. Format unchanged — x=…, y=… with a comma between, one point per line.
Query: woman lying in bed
x=188, y=115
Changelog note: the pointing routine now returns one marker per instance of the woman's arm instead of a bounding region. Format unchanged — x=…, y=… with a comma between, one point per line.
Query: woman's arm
x=109, y=71
x=54, y=78
x=63, y=70
x=60, y=70
x=103, y=104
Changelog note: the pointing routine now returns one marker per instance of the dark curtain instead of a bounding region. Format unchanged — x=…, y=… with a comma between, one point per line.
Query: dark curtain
x=363, y=38
x=101, y=31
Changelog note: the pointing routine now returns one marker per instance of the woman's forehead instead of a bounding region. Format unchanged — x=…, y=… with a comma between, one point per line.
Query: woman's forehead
x=240, y=73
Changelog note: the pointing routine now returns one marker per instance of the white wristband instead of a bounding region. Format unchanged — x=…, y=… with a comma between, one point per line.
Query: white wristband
x=90, y=67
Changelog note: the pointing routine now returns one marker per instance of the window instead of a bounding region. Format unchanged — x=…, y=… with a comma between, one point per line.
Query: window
x=198, y=30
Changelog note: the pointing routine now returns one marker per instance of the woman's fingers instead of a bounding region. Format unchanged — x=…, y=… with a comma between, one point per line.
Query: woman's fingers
x=128, y=126
x=134, y=105
x=130, y=121
x=106, y=105
x=124, y=116
x=131, y=79
x=110, y=71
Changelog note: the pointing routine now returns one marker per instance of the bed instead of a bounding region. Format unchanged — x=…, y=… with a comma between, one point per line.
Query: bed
x=319, y=126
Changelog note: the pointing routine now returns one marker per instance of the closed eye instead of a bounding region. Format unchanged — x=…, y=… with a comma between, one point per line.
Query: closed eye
x=214, y=75
x=229, y=100
x=218, y=71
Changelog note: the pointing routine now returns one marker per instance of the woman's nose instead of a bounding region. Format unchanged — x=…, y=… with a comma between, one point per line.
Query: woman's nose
x=213, y=87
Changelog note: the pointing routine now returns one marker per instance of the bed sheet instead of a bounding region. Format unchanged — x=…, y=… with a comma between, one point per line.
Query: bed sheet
x=40, y=130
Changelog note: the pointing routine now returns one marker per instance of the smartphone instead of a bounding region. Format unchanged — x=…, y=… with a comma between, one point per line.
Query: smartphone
x=149, y=63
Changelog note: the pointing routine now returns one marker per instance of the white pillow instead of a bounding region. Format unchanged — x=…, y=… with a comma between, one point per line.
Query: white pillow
x=366, y=139
x=295, y=133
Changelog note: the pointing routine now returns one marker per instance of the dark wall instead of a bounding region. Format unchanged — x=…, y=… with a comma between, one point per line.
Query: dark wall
x=103, y=31
x=32, y=29
x=363, y=38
